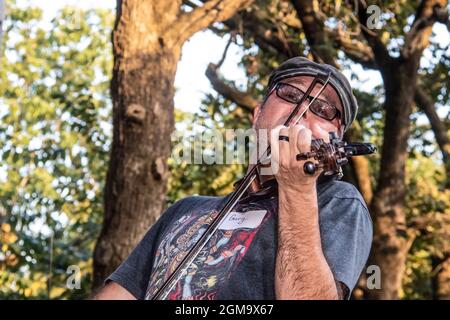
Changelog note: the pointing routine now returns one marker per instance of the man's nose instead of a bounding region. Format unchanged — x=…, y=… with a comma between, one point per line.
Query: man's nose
x=305, y=118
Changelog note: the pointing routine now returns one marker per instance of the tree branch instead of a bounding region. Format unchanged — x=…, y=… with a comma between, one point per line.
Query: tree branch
x=379, y=50
x=264, y=34
x=201, y=17
x=355, y=50
x=428, y=12
x=242, y=99
x=323, y=40
x=425, y=102
x=190, y=4
x=314, y=28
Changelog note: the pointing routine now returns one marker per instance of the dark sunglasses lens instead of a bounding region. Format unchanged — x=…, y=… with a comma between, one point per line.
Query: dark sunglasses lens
x=294, y=95
x=323, y=110
x=289, y=93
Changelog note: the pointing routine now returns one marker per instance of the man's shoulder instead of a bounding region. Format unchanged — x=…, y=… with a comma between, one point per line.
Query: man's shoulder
x=341, y=190
x=197, y=201
x=197, y=205
x=201, y=199
x=342, y=200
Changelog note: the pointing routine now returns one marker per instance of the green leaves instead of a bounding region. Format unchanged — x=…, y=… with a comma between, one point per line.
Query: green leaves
x=55, y=135
x=54, y=142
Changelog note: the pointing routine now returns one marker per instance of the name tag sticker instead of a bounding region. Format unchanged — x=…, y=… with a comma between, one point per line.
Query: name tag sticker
x=249, y=219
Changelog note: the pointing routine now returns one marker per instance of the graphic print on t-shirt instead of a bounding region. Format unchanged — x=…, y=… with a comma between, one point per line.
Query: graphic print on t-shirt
x=217, y=260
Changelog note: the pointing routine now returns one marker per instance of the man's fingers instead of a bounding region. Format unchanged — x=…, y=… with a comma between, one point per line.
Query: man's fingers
x=283, y=152
x=284, y=147
x=293, y=137
x=304, y=140
x=274, y=148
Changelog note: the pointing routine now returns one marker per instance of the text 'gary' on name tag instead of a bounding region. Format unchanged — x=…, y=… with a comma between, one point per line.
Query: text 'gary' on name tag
x=237, y=220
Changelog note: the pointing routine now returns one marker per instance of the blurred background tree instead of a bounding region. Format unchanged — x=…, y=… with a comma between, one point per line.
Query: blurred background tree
x=56, y=134
x=147, y=40
x=55, y=137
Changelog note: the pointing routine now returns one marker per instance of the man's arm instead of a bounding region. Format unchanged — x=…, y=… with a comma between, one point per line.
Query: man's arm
x=302, y=271
x=343, y=290
x=113, y=291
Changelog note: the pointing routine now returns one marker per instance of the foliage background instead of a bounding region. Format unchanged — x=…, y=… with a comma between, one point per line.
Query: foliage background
x=55, y=135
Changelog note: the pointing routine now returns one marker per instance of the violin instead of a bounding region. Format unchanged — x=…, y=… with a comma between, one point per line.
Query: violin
x=333, y=155
x=329, y=157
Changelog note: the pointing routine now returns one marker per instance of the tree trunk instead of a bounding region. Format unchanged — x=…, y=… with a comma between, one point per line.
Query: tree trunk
x=147, y=40
x=392, y=240
x=142, y=92
x=441, y=278
x=359, y=166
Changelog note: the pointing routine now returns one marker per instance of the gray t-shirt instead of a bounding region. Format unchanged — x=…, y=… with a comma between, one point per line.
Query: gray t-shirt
x=239, y=260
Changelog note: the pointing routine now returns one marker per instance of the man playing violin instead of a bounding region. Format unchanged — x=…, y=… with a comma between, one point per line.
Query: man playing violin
x=308, y=239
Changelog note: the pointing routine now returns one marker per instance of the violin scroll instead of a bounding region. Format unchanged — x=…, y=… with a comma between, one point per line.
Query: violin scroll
x=333, y=155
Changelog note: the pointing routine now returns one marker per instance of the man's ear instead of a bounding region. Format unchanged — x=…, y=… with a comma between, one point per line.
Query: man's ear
x=256, y=113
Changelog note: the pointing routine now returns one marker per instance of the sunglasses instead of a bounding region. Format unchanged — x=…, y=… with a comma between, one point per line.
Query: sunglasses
x=320, y=108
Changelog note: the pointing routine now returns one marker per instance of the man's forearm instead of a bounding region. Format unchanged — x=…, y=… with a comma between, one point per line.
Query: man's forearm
x=301, y=269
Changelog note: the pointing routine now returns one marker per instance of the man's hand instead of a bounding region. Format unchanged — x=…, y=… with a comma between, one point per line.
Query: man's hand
x=287, y=169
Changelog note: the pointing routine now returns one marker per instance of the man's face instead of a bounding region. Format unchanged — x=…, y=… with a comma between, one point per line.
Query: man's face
x=275, y=110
